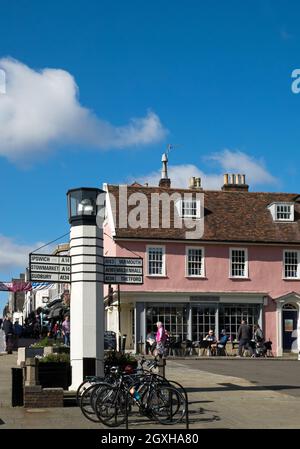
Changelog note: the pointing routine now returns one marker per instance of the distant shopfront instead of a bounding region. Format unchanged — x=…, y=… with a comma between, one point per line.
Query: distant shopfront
x=193, y=317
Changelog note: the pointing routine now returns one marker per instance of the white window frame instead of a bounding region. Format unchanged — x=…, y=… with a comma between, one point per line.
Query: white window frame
x=164, y=273
x=246, y=276
x=283, y=264
x=273, y=209
x=202, y=275
x=179, y=205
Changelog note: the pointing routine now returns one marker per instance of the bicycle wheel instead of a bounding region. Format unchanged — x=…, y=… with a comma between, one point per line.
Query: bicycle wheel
x=110, y=406
x=81, y=389
x=166, y=404
x=87, y=401
x=90, y=380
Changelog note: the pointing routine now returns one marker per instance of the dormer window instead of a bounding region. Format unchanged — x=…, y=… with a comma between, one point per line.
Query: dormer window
x=188, y=208
x=282, y=211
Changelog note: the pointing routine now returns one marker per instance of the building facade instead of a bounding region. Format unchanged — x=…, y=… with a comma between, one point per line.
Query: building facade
x=243, y=264
x=16, y=300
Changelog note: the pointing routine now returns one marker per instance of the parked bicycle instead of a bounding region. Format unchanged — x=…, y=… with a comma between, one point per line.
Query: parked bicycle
x=110, y=399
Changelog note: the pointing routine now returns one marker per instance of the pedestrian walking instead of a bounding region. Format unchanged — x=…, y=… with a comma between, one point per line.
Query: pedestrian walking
x=244, y=336
x=2, y=339
x=160, y=338
x=258, y=334
x=66, y=330
x=18, y=331
x=56, y=331
x=36, y=329
x=9, y=334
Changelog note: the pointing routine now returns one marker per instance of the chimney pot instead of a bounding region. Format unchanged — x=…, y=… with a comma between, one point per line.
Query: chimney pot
x=235, y=182
x=192, y=182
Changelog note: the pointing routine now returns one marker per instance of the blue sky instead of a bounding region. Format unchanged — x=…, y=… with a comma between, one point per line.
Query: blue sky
x=209, y=76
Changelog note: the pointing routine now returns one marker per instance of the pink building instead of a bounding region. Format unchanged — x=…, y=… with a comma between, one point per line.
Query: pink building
x=241, y=262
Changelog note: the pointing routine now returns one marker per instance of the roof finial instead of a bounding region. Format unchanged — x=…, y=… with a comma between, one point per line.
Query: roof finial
x=165, y=181
x=164, y=170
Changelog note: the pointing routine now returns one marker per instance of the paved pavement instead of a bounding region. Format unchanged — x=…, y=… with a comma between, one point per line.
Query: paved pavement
x=218, y=399
x=2, y=341
x=278, y=375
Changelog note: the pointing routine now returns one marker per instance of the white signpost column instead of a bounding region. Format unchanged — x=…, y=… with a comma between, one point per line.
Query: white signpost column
x=87, y=306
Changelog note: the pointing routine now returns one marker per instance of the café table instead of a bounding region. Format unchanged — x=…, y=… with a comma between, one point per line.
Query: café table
x=205, y=345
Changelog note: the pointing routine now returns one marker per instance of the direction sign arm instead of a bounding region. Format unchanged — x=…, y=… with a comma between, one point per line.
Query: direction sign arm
x=29, y=268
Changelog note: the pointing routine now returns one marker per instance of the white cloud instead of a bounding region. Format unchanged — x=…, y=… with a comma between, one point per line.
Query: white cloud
x=239, y=162
x=13, y=254
x=228, y=162
x=40, y=110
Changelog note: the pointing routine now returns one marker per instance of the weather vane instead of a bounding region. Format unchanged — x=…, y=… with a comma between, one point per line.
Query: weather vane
x=171, y=146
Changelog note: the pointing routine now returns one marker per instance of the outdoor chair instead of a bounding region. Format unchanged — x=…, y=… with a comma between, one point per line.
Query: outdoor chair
x=268, y=346
x=174, y=347
x=195, y=347
x=187, y=347
x=221, y=350
x=204, y=347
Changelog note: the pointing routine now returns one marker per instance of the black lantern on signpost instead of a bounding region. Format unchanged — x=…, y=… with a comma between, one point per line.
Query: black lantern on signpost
x=83, y=206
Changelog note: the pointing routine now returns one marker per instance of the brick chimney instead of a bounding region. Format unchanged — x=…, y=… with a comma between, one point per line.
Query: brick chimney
x=164, y=181
x=195, y=183
x=235, y=183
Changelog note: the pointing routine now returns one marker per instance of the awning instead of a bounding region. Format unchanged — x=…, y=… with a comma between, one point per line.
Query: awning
x=54, y=301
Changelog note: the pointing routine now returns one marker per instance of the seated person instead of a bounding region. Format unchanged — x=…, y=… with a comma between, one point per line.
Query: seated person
x=210, y=338
x=220, y=344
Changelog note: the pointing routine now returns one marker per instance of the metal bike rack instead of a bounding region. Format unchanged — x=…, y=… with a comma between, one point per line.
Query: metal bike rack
x=126, y=410
x=186, y=406
x=187, y=422
x=180, y=388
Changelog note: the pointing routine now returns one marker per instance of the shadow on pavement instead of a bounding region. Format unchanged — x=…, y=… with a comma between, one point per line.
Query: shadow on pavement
x=234, y=387
x=137, y=421
x=199, y=402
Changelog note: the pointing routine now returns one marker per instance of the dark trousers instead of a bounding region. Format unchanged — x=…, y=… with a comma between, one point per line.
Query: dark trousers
x=150, y=348
x=9, y=339
x=245, y=344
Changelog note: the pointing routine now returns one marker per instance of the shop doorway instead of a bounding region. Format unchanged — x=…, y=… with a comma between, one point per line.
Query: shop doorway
x=289, y=327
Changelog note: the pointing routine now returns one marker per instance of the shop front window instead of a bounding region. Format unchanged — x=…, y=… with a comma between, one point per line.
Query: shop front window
x=173, y=317
x=203, y=319
x=231, y=316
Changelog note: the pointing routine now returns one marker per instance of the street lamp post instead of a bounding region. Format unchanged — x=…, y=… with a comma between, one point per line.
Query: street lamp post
x=86, y=305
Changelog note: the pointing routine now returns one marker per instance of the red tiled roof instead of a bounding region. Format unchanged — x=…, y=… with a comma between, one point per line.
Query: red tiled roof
x=229, y=216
